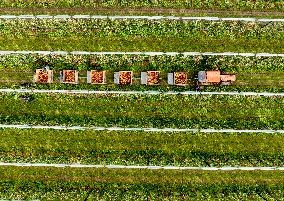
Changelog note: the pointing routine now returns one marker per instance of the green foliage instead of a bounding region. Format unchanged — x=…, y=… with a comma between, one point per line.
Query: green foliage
x=105, y=184
x=196, y=4
x=141, y=148
x=141, y=35
x=143, y=28
x=237, y=112
x=234, y=64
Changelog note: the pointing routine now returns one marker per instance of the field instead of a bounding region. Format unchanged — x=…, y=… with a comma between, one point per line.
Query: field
x=263, y=115
x=141, y=35
x=253, y=73
x=180, y=4
x=105, y=184
x=144, y=111
x=141, y=148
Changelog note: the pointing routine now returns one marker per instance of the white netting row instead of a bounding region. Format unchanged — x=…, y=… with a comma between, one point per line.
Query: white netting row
x=145, y=53
x=139, y=129
x=225, y=168
x=139, y=92
x=137, y=17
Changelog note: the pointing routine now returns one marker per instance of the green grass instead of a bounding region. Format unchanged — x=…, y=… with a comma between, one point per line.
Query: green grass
x=77, y=184
x=141, y=35
x=141, y=148
x=273, y=79
x=197, y=4
x=197, y=29
x=161, y=44
x=145, y=111
x=146, y=11
x=248, y=66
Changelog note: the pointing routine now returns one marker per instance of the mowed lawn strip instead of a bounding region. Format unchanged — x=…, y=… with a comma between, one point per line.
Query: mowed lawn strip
x=139, y=184
x=144, y=44
x=199, y=111
x=243, y=5
x=144, y=11
x=141, y=35
x=141, y=148
x=14, y=65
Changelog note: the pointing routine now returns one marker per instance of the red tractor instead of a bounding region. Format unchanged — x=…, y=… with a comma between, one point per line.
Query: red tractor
x=215, y=77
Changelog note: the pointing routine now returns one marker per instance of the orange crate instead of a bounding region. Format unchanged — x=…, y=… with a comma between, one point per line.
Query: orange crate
x=97, y=77
x=153, y=77
x=125, y=77
x=43, y=76
x=180, y=78
x=70, y=76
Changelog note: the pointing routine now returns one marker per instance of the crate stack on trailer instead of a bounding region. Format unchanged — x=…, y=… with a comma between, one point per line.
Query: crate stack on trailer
x=126, y=77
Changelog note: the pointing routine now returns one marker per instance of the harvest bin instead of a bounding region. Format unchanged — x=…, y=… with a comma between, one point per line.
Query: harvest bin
x=96, y=77
x=150, y=77
x=43, y=76
x=123, y=77
x=69, y=76
x=177, y=78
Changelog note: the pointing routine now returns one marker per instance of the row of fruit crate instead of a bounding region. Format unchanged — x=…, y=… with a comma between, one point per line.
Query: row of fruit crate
x=99, y=77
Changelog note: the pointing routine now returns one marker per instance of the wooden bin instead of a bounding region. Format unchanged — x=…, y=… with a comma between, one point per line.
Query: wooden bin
x=178, y=78
x=123, y=77
x=43, y=76
x=150, y=77
x=70, y=76
x=96, y=77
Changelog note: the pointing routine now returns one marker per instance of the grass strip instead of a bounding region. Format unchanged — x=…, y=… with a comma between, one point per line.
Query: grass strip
x=148, y=11
x=196, y=29
x=264, y=5
x=246, y=87
x=141, y=148
x=74, y=184
x=144, y=111
x=12, y=65
x=137, y=43
x=141, y=35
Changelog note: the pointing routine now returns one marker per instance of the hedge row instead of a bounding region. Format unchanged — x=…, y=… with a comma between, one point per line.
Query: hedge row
x=237, y=112
x=196, y=4
x=235, y=64
x=141, y=148
x=74, y=184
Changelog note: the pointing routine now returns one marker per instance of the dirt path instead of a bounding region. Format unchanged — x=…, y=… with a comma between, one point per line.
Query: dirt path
x=140, y=11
